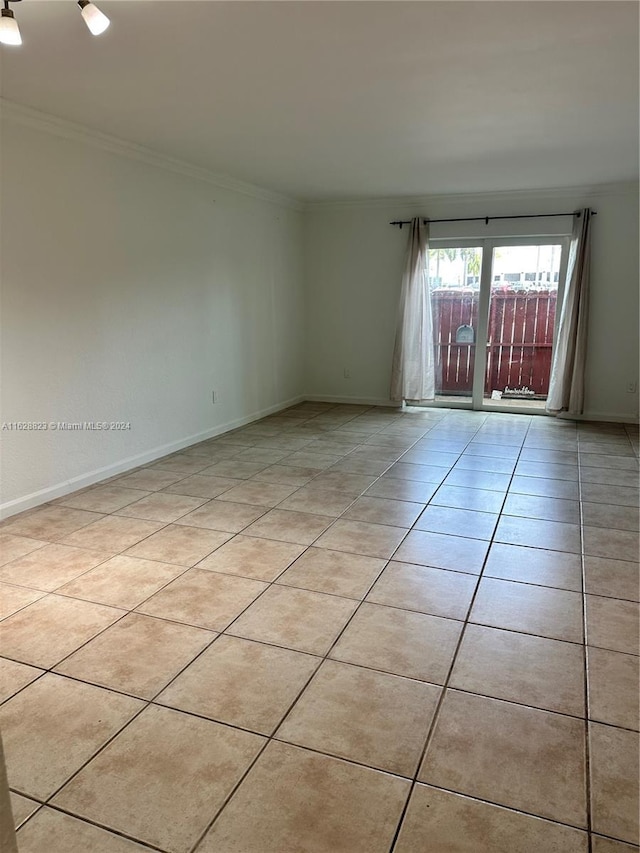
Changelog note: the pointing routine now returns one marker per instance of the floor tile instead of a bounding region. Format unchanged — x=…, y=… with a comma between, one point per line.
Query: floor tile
x=478, y=480
x=200, y=486
x=54, y=726
x=203, y=598
x=459, y=497
x=435, y=591
x=420, y=473
x=547, y=470
x=546, y=509
x=235, y=469
x=360, y=537
x=612, y=624
x=534, y=454
x=221, y=515
x=545, y=488
x=457, y=522
x=614, y=578
x=535, y=566
x=50, y=567
x=438, y=821
x=373, y=718
x=402, y=490
x=60, y=833
x=299, y=528
x=318, y=461
x=384, y=511
x=616, y=544
x=614, y=782
x=490, y=464
x=14, y=598
x=610, y=477
x=138, y=655
x=49, y=522
x=259, y=494
x=534, y=533
x=616, y=495
x=102, y=498
x=184, y=546
x=342, y=481
x=360, y=808
x=335, y=572
x=600, y=460
x=481, y=745
x=520, y=668
x=122, y=581
x=13, y=547
x=22, y=808
x=112, y=533
x=352, y=464
x=443, y=552
x=245, y=684
x=400, y=642
x=14, y=676
x=181, y=463
x=130, y=786
x=261, y=454
x=296, y=619
x=614, y=688
x=249, y=557
x=149, y=479
x=285, y=475
x=610, y=516
x=606, y=845
x=51, y=628
x=431, y=457
x=329, y=502
x=553, y=613
x=161, y=506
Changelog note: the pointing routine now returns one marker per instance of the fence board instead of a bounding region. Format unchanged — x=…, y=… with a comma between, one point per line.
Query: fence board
x=519, y=340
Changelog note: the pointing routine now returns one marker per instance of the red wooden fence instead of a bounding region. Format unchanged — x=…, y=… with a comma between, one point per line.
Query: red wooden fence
x=520, y=337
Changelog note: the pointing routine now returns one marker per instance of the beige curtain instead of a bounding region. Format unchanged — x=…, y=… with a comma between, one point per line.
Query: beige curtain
x=413, y=367
x=566, y=387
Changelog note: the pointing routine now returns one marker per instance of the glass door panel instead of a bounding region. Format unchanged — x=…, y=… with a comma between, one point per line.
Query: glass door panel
x=454, y=280
x=522, y=310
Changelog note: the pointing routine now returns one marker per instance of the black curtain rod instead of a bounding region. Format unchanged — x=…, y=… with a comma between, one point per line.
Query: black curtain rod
x=486, y=219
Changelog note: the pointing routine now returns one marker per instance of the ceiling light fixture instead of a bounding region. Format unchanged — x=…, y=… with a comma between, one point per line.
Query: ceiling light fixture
x=9, y=30
x=96, y=21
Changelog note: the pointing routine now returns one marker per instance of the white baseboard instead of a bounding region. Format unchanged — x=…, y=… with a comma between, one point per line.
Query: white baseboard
x=352, y=401
x=50, y=493
x=606, y=417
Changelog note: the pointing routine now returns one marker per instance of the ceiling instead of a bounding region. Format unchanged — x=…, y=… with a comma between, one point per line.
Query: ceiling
x=331, y=100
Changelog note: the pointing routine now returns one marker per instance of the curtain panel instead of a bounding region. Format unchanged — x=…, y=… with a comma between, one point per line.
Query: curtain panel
x=413, y=365
x=566, y=386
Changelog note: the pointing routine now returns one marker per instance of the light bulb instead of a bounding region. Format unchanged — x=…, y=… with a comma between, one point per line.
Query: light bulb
x=96, y=20
x=9, y=30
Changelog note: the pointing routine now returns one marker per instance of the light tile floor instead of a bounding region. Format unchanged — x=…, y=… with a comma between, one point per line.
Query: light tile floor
x=341, y=629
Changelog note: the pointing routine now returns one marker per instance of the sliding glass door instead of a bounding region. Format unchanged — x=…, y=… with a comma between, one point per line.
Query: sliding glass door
x=521, y=324
x=454, y=280
x=494, y=320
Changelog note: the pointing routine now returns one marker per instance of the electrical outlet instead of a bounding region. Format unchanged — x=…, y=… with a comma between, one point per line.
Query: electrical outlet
x=346, y=373
x=214, y=396
x=632, y=387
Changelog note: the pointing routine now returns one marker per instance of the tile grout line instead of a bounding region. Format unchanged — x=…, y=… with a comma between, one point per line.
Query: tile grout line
x=445, y=686
x=276, y=579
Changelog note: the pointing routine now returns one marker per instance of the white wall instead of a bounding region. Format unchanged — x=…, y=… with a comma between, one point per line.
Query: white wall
x=354, y=261
x=129, y=293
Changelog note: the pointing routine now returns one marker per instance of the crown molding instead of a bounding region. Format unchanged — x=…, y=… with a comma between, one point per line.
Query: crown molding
x=464, y=199
x=56, y=126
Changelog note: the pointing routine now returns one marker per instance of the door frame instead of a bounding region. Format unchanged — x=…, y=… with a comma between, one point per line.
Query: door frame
x=488, y=244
